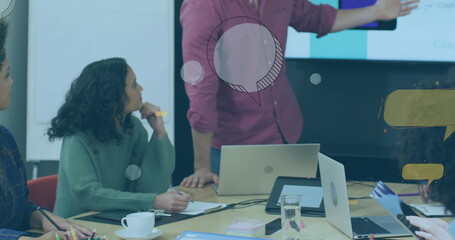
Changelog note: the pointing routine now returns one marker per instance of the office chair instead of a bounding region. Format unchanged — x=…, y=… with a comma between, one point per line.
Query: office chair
x=43, y=190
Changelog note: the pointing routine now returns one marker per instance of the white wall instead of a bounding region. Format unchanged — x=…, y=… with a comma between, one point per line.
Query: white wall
x=142, y=33
x=14, y=118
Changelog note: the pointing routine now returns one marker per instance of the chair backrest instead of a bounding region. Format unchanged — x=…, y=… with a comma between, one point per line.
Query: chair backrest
x=43, y=190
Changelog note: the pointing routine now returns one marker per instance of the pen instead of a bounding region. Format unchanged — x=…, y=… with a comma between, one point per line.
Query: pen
x=92, y=235
x=162, y=214
x=73, y=234
x=408, y=194
x=177, y=191
x=211, y=210
x=48, y=218
x=157, y=113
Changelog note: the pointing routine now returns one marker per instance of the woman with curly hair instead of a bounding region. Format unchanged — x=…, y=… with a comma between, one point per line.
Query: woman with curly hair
x=107, y=162
x=427, y=145
x=17, y=212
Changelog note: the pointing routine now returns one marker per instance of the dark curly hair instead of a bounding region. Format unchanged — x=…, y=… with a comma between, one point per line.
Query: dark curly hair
x=443, y=191
x=3, y=33
x=95, y=102
x=426, y=145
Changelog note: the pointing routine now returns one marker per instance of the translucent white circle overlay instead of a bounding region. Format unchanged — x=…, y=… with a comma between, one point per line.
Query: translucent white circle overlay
x=192, y=72
x=315, y=78
x=6, y=7
x=248, y=57
x=133, y=172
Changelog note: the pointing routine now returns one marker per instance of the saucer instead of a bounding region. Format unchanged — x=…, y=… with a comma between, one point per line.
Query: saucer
x=127, y=235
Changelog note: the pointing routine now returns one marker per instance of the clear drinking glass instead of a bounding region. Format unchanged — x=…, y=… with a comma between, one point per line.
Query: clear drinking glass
x=291, y=220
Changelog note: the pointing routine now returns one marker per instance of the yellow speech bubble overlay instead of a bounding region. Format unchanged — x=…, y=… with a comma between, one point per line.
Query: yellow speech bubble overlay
x=421, y=108
x=423, y=171
x=449, y=131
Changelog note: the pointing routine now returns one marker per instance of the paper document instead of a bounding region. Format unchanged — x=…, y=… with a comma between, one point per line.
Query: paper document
x=196, y=207
x=311, y=195
x=431, y=210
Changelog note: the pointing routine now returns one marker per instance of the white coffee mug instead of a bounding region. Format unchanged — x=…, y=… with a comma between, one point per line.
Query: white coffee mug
x=140, y=224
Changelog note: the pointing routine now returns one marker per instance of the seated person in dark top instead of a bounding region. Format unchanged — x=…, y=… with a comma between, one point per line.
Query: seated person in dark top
x=17, y=212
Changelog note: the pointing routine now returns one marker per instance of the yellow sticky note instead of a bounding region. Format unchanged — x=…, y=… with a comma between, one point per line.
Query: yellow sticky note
x=161, y=114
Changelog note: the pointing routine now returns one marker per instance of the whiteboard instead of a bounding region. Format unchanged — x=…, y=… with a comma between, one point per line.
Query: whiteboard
x=66, y=35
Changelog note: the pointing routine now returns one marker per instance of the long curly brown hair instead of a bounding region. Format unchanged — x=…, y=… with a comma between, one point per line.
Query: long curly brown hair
x=95, y=102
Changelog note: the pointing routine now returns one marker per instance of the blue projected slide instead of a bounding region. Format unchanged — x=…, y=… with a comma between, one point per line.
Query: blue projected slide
x=424, y=35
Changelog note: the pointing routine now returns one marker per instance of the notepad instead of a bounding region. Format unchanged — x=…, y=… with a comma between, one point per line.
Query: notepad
x=195, y=208
x=432, y=210
x=190, y=235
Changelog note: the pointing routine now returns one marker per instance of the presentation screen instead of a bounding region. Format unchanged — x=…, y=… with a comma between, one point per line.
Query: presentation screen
x=424, y=35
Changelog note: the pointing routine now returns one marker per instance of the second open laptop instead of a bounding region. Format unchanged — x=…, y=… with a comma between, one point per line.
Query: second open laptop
x=333, y=181
x=252, y=169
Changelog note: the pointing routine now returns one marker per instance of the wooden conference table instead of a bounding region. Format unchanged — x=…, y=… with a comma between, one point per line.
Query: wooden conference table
x=316, y=228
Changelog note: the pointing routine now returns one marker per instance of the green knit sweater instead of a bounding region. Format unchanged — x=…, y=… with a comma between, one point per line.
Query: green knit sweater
x=92, y=173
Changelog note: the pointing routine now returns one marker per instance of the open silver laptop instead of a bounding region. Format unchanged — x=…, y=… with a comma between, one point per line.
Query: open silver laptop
x=252, y=169
x=336, y=206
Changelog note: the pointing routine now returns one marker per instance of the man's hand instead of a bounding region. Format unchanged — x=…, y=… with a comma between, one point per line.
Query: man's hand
x=382, y=10
x=199, y=178
x=390, y=9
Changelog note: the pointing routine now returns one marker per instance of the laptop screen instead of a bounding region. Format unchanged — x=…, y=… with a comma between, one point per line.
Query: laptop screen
x=393, y=204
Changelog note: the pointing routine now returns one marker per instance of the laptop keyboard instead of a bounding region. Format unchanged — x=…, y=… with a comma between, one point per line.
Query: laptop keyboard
x=363, y=225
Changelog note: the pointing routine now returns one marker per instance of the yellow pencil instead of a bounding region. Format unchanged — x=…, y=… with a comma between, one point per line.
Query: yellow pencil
x=73, y=234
